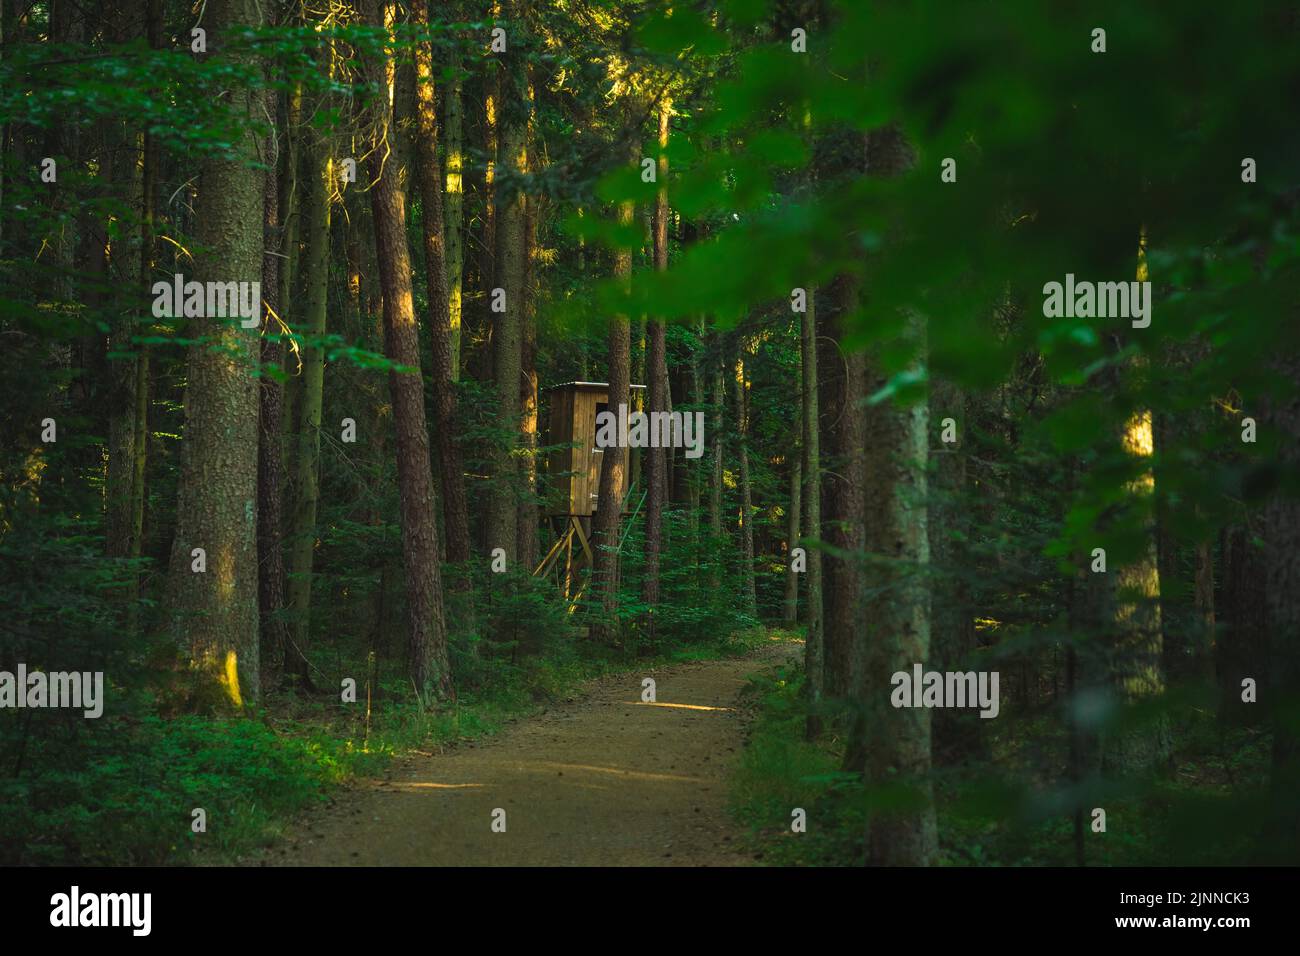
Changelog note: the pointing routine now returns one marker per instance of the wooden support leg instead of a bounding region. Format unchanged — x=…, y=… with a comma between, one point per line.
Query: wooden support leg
x=551, y=555
x=568, y=563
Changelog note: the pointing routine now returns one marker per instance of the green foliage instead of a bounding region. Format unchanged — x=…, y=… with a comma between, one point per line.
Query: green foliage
x=1002, y=812
x=781, y=771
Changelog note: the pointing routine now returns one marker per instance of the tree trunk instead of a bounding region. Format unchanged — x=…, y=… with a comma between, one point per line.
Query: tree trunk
x=1242, y=647
x=814, y=638
x=1203, y=602
x=120, y=488
x=1282, y=597
x=790, y=615
x=129, y=423
x=427, y=659
x=290, y=213
x=526, y=514
x=485, y=251
x=840, y=381
x=657, y=459
x=302, y=535
x=214, y=613
x=150, y=173
x=270, y=461
x=956, y=732
x=695, y=481
x=453, y=125
x=607, y=521
x=718, y=397
x=509, y=275
x=746, y=501
x=897, y=444
x=896, y=578
x=443, y=329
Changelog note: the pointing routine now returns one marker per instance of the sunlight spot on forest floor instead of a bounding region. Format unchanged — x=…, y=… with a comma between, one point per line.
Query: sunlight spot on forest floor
x=646, y=703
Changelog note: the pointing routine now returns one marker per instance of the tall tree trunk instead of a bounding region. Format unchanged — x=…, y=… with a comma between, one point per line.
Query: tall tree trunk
x=1203, y=602
x=120, y=487
x=718, y=397
x=454, y=127
x=814, y=636
x=746, y=499
x=1242, y=648
x=427, y=658
x=607, y=521
x=4, y=127
x=526, y=519
x=150, y=174
x=896, y=579
x=790, y=614
x=527, y=512
x=841, y=375
x=270, y=461
x=899, y=738
x=306, y=499
x=1282, y=596
x=695, y=482
x=214, y=613
x=290, y=212
x=657, y=459
x=485, y=251
x=509, y=275
x=956, y=732
x=128, y=424
x=442, y=329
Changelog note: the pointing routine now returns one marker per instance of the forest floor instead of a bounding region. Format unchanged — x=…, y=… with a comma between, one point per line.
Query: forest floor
x=599, y=780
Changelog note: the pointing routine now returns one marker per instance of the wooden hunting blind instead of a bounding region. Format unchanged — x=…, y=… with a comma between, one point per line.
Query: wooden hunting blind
x=574, y=468
x=573, y=471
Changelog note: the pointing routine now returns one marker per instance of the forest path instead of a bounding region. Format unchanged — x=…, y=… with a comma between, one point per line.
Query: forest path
x=602, y=781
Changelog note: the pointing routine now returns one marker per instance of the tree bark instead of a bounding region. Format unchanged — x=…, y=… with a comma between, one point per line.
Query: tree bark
x=120, y=488
x=695, y=480
x=290, y=213
x=657, y=459
x=790, y=613
x=741, y=384
x=214, y=614
x=607, y=521
x=956, y=732
x=443, y=329
x=306, y=499
x=270, y=461
x=1282, y=597
x=841, y=377
x=509, y=274
x=1242, y=647
x=814, y=636
x=718, y=397
x=526, y=514
x=453, y=125
x=427, y=659
x=129, y=423
x=896, y=578
x=897, y=444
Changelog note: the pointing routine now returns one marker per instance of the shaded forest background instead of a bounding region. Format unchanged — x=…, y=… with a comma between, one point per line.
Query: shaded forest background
x=825, y=226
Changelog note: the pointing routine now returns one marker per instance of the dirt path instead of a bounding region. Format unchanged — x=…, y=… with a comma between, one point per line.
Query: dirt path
x=603, y=781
